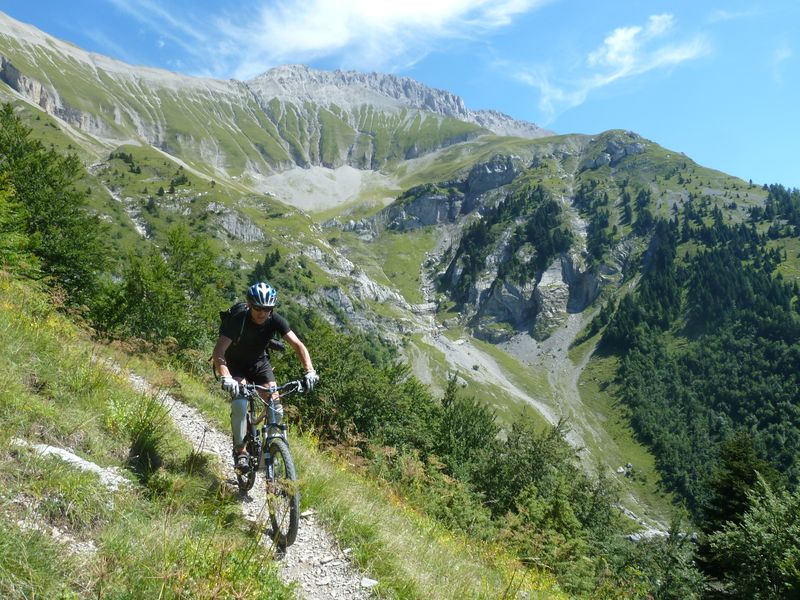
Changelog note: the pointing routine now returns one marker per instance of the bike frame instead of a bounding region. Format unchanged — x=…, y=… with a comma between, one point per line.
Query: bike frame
x=266, y=435
x=270, y=428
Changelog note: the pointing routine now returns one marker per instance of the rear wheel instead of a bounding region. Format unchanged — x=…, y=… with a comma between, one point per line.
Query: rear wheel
x=246, y=481
x=283, y=495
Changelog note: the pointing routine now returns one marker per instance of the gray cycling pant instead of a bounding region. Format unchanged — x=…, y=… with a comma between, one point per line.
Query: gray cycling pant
x=259, y=372
x=238, y=420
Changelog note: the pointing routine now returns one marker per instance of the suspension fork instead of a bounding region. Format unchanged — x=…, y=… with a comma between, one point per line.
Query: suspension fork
x=253, y=427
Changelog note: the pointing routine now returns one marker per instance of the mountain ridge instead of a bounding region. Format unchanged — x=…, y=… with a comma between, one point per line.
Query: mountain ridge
x=272, y=111
x=331, y=87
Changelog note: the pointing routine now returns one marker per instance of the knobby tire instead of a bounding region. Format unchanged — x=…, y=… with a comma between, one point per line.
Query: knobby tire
x=283, y=495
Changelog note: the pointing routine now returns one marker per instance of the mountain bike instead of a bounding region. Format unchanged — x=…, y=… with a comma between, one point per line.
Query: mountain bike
x=268, y=448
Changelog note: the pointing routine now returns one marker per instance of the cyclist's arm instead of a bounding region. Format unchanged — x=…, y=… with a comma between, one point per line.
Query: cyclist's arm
x=300, y=350
x=218, y=356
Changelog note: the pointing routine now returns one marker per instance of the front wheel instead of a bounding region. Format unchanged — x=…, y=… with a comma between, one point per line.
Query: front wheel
x=283, y=495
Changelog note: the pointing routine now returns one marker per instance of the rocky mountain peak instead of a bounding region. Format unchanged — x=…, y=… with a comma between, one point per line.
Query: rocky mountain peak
x=350, y=89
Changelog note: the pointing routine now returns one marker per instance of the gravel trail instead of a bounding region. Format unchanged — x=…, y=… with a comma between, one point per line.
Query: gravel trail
x=315, y=562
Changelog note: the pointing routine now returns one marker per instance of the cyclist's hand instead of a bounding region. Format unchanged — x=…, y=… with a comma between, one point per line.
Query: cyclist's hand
x=230, y=385
x=310, y=379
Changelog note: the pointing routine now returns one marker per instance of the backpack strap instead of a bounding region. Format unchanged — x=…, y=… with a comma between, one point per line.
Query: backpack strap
x=241, y=329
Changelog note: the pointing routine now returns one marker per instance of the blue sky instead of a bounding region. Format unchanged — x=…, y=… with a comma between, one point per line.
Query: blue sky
x=717, y=79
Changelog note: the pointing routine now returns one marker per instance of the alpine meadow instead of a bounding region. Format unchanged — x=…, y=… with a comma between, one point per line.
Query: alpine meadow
x=551, y=366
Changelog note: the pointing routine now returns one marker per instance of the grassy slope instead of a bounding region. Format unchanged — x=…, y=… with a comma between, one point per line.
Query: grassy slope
x=171, y=532
x=177, y=528
x=411, y=555
x=598, y=392
x=393, y=259
x=137, y=193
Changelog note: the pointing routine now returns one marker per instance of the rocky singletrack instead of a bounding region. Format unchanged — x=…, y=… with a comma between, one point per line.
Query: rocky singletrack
x=315, y=563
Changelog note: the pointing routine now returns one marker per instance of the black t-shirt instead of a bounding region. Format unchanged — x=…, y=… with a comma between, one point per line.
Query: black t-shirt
x=254, y=338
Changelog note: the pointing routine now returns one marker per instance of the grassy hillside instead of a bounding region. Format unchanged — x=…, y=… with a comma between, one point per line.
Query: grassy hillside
x=699, y=278
x=170, y=530
x=174, y=528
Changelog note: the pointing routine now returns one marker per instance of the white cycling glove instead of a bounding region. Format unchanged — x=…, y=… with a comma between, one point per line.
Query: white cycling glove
x=310, y=379
x=230, y=385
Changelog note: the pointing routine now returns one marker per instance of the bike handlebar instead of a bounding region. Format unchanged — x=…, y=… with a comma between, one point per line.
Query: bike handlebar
x=290, y=387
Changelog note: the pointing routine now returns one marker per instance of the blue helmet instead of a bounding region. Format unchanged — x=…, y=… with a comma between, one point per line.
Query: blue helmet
x=262, y=295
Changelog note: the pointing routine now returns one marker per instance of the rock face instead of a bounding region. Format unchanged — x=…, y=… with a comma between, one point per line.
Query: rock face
x=430, y=206
x=507, y=303
x=499, y=171
x=552, y=297
x=236, y=225
x=47, y=98
x=584, y=286
x=363, y=227
x=618, y=146
x=350, y=89
x=503, y=307
x=29, y=88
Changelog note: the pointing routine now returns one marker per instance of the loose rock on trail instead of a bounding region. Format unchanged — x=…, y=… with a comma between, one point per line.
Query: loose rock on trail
x=315, y=563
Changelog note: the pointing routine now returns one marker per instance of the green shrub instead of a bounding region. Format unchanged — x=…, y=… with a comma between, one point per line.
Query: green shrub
x=762, y=553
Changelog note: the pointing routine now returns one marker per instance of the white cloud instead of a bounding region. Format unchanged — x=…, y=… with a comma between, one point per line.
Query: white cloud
x=625, y=48
x=626, y=52
x=553, y=97
x=364, y=34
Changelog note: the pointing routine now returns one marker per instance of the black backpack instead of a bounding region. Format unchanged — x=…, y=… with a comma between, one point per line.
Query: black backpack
x=237, y=311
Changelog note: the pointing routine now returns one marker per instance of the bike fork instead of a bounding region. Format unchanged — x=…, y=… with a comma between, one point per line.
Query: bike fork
x=269, y=467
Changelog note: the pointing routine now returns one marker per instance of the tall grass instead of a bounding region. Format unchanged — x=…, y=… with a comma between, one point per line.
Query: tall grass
x=175, y=532
x=410, y=554
x=145, y=424
x=32, y=564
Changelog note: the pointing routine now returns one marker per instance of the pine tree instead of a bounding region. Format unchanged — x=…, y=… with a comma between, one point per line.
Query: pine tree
x=58, y=229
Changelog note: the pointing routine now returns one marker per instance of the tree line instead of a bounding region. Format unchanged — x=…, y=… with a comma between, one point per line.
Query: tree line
x=710, y=369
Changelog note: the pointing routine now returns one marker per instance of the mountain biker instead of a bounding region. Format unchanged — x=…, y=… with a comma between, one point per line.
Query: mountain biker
x=247, y=357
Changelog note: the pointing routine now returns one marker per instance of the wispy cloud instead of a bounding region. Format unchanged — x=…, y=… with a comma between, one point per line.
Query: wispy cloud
x=112, y=48
x=781, y=54
x=363, y=34
x=156, y=17
x=194, y=39
x=625, y=53
x=732, y=15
